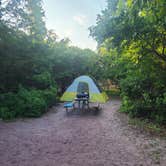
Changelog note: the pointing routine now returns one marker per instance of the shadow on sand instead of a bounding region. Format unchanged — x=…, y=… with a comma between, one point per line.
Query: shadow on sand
x=93, y=111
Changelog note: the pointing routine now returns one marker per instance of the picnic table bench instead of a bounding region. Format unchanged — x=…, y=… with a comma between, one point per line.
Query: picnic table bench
x=69, y=105
x=82, y=104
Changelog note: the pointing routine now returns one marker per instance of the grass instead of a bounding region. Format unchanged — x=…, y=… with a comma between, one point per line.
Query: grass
x=113, y=92
x=148, y=126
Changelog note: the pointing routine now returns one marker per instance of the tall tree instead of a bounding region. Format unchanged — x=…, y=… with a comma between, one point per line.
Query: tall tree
x=36, y=26
x=141, y=21
x=13, y=13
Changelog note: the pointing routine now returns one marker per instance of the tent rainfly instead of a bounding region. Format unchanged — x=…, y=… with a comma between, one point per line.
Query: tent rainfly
x=84, y=84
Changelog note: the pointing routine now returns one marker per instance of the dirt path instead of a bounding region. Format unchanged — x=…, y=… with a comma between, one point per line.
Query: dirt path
x=59, y=140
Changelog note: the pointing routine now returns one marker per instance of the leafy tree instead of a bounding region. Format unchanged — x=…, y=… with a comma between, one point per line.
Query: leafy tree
x=13, y=13
x=138, y=21
x=131, y=37
x=36, y=25
x=35, y=67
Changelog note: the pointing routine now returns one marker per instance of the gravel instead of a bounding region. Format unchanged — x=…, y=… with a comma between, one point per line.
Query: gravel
x=79, y=139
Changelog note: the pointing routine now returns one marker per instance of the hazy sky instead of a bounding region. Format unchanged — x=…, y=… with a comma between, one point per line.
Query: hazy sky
x=71, y=18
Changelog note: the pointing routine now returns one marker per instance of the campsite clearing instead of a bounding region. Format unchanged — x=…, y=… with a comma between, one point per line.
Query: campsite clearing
x=56, y=139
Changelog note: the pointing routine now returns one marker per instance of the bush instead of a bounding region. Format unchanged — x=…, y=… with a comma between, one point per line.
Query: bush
x=31, y=103
x=113, y=92
x=6, y=114
x=141, y=98
x=43, y=80
x=8, y=104
x=26, y=103
x=50, y=96
x=160, y=105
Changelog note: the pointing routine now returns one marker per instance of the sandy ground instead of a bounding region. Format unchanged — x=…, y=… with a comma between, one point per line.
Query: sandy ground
x=57, y=139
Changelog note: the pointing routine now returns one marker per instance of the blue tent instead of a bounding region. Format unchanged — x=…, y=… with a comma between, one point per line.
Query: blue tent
x=84, y=84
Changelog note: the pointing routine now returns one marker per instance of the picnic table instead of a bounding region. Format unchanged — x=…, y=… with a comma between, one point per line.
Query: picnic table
x=82, y=103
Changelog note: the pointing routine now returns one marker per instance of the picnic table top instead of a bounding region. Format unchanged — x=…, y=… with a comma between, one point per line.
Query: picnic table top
x=82, y=99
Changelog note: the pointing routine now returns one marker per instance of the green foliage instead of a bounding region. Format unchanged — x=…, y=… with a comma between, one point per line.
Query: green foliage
x=131, y=39
x=50, y=96
x=30, y=103
x=146, y=125
x=142, y=98
x=114, y=92
x=142, y=22
x=43, y=80
x=26, y=102
x=36, y=25
x=5, y=114
x=37, y=66
x=31, y=57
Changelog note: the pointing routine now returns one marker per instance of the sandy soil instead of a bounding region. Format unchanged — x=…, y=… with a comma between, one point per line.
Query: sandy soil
x=57, y=139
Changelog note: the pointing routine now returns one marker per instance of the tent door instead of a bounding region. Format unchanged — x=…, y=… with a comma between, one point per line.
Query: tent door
x=82, y=87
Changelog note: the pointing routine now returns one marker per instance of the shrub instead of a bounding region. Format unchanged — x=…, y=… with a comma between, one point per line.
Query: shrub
x=50, y=96
x=142, y=98
x=8, y=104
x=113, y=92
x=160, y=105
x=26, y=103
x=43, y=80
x=31, y=103
x=5, y=113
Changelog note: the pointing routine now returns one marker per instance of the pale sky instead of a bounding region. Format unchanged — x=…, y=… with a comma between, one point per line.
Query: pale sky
x=72, y=18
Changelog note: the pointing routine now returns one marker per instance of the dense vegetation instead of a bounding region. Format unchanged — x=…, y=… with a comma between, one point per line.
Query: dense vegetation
x=36, y=67
x=132, y=40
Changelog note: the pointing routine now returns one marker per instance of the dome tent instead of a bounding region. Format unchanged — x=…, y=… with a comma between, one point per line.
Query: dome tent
x=86, y=84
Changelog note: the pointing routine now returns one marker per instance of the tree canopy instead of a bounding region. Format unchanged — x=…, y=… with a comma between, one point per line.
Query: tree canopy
x=132, y=37
x=35, y=67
